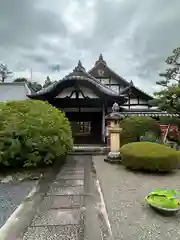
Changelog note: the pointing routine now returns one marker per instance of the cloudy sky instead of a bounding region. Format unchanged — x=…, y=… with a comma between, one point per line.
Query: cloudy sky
x=134, y=36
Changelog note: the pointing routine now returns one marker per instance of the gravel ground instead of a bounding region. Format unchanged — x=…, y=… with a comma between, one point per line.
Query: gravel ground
x=11, y=195
x=14, y=187
x=129, y=215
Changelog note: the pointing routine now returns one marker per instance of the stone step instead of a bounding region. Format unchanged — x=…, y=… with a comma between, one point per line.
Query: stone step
x=88, y=153
x=90, y=149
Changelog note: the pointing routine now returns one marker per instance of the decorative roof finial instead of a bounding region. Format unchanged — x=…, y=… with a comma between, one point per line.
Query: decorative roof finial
x=101, y=59
x=79, y=67
x=131, y=83
x=115, y=107
x=80, y=64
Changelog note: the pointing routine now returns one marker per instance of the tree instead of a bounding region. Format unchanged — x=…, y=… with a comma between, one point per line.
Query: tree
x=172, y=74
x=21, y=80
x=168, y=99
x=4, y=72
x=32, y=85
x=47, y=82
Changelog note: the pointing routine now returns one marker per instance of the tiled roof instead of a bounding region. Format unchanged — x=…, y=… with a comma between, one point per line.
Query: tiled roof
x=150, y=114
x=79, y=73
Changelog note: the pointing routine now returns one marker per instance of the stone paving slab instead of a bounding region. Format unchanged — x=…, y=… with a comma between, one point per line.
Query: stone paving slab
x=52, y=233
x=73, y=172
x=70, y=182
x=56, y=189
x=70, y=176
x=68, y=210
x=57, y=217
x=60, y=202
x=73, y=167
x=130, y=217
x=74, y=164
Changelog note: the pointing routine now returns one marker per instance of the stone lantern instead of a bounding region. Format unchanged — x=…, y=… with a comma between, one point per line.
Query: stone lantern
x=114, y=131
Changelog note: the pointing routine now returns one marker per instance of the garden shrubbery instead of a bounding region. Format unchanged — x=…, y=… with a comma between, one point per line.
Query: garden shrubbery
x=149, y=156
x=32, y=133
x=135, y=127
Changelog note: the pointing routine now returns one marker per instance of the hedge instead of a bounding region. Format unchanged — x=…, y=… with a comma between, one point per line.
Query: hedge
x=32, y=133
x=135, y=127
x=149, y=156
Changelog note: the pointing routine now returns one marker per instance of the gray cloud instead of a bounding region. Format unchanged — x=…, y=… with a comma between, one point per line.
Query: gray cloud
x=134, y=36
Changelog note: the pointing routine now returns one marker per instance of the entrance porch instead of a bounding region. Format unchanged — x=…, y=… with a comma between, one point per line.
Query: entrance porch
x=88, y=127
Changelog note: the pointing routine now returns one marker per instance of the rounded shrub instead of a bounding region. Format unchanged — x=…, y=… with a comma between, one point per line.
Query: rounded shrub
x=149, y=156
x=33, y=133
x=136, y=126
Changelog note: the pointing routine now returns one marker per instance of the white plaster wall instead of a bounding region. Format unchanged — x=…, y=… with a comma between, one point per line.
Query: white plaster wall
x=88, y=92
x=115, y=88
x=154, y=108
x=126, y=107
x=105, y=80
x=141, y=101
x=121, y=88
x=113, y=81
x=66, y=92
x=133, y=101
x=139, y=107
x=13, y=92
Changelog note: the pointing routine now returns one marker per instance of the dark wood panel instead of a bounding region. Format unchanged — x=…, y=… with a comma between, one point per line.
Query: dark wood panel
x=86, y=137
x=83, y=116
x=75, y=103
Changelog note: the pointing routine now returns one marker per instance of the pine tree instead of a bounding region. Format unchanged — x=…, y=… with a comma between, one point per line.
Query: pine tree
x=168, y=99
x=4, y=72
x=47, y=82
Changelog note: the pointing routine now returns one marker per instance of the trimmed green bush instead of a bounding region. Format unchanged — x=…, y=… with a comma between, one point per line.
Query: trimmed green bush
x=33, y=133
x=135, y=127
x=149, y=156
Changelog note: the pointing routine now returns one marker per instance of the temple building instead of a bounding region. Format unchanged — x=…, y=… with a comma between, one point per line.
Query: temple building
x=86, y=97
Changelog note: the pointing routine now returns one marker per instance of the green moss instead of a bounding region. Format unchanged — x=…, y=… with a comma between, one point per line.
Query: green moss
x=163, y=201
x=165, y=198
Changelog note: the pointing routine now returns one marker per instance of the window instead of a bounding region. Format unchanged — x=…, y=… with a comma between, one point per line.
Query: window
x=81, y=127
x=85, y=127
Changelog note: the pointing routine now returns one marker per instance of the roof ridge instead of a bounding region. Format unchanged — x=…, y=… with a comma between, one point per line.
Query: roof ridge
x=131, y=85
x=100, y=83
x=100, y=61
x=91, y=77
x=109, y=69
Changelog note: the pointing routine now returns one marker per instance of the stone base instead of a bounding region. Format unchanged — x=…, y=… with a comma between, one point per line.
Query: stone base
x=113, y=157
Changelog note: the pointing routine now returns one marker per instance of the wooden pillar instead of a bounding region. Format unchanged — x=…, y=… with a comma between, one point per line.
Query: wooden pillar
x=103, y=130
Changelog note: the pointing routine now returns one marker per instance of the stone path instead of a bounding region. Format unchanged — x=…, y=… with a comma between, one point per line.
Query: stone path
x=68, y=210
